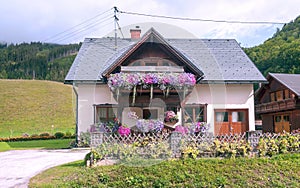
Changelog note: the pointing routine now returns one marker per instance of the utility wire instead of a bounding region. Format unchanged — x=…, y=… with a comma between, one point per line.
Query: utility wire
x=102, y=28
x=202, y=20
x=67, y=30
x=90, y=25
x=83, y=29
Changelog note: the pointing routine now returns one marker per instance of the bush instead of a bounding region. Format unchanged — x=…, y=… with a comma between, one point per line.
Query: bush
x=73, y=144
x=44, y=134
x=85, y=139
x=68, y=134
x=25, y=135
x=231, y=150
x=283, y=144
x=92, y=155
x=59, y=135
x=34, y=136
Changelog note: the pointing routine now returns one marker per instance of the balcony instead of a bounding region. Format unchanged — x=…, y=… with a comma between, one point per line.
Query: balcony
x=276, y=106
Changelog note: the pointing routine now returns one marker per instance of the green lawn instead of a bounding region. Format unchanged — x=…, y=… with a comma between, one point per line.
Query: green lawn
x=279, y=171
x=34, y=106
x=36, y=144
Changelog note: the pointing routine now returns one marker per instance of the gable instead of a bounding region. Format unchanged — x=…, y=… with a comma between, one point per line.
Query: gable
x=290, y=81
x=277, y=83
x=152, y=50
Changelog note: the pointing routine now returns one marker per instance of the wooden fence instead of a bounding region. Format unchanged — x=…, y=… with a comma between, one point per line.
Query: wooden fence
x=176, y=140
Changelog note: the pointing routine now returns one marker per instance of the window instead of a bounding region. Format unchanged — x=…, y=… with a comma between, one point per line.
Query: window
x=222, y=116
x=238, y=116
x=286, y=118
x=195, y=113
x=286, y=94
x=279, y=95
x=150, y=113
x=106, y=113
x=272, y=96
x=277, y=118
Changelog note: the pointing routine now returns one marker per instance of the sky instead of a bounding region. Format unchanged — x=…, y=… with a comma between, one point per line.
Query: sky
x=70, y=21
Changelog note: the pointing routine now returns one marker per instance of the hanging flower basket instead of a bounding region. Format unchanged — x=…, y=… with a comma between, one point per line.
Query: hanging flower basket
x=164, y=81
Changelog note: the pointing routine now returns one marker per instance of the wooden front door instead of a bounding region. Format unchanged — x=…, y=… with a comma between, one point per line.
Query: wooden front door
x=231, y=121
x=281, y=123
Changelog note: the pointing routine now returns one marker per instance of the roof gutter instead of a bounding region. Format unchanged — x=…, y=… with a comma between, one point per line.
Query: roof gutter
x=232, y=81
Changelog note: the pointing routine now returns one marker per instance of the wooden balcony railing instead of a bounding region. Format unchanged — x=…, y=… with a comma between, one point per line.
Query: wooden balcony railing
x=276, y=106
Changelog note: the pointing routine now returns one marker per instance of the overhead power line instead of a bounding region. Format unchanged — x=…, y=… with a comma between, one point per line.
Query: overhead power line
x=68, y=31
x=82, y=29
x=202, y=20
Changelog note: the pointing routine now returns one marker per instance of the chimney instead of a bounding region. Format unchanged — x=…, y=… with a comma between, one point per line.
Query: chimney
x=135, y=33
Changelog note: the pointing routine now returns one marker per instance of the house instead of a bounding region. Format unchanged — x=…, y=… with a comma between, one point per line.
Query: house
x=278, y=103
x=200, y=80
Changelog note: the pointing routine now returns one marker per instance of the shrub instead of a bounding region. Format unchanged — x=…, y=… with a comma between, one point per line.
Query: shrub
x=73, y=144
x=85, y=139
x=25, y=135
x=34, y=135
x=68, y=134
x=231, y=150
x=44, y=134
x=59, y=135
x=92, y=155
x=190, y=151
x=283, y=144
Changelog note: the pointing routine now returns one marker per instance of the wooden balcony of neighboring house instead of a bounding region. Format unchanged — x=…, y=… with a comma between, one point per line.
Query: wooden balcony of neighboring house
x=276, y=106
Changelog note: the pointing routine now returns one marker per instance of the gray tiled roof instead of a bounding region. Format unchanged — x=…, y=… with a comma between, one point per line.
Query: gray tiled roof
x=219, y=59
x=291, y=81
x=93, y=56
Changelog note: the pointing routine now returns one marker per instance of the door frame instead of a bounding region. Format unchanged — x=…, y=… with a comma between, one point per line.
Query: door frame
x=281, y=123
x=229, y=124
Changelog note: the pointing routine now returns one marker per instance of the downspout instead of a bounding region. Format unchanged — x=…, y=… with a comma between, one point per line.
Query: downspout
x=76, y=131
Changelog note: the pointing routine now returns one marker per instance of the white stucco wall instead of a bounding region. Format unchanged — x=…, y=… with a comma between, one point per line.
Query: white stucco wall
x=224, y=96
x=216, y=96
x=88, y=95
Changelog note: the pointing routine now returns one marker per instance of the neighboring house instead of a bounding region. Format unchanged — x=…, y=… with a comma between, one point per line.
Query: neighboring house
x=223, y=95
x=278, y=103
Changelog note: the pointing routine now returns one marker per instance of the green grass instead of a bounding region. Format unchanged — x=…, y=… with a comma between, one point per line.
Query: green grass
x=279, y=171
x=36, y=144
x=34, y=106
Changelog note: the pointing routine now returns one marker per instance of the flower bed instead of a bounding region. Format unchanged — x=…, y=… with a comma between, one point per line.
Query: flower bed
x=145, y=125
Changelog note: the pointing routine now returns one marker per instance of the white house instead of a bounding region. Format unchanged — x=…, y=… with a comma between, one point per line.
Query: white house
x=222, y=95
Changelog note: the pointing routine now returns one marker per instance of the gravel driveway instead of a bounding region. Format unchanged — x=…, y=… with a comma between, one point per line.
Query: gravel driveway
x=18, y=166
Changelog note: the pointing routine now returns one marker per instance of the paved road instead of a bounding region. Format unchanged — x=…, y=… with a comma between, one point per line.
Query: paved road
x=18, y=166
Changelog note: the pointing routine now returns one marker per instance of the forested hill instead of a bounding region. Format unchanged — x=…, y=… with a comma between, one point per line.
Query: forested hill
x=281, y=53
x=36, y=60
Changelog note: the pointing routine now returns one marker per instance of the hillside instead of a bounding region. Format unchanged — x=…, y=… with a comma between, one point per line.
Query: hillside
x=281, y=53
x=36, y=60
x=32, y=106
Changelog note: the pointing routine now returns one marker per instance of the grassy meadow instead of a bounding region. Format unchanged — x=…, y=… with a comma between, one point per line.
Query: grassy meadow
x=36, y=144
x=277, y=171
x=34, y=107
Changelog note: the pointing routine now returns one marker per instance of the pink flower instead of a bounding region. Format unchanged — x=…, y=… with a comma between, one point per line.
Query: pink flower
x=124, y=131
x=170, y=116
x=181, y=129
